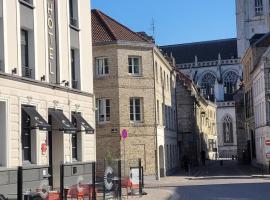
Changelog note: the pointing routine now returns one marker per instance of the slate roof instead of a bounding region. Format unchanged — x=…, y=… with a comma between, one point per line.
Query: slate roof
x=205, y=51
x=106, y=29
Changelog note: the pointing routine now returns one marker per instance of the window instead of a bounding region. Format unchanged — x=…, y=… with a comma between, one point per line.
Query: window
x=167, y=81
x=258, y=7
x=158, y=117
x=75, y=68
x=74, y=141
x=26, y=70
x=211, y=144
x=230, y=85
x=134, y=65
x=73, y=12
x=160, y=70
x=207, y=86
x=156, y=67
x=3, y=133
x=26, y=137
x=102, y=67
x=135, y=109
x=228, y=129
x=104, y=110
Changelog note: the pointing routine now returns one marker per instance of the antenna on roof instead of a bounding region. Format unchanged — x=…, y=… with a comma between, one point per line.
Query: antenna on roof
x=153, y=28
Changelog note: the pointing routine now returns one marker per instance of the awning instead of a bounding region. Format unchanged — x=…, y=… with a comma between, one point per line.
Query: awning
x=62, y=121
x=82, y=122
x=37, y=120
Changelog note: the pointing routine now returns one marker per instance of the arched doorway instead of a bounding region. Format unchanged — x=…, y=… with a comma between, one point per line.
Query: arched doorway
x=161, y=161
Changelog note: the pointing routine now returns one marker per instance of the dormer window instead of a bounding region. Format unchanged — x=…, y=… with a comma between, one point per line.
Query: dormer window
x=258, y=7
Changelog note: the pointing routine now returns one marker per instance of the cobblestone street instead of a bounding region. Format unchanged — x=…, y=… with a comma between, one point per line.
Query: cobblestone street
x=212, y=182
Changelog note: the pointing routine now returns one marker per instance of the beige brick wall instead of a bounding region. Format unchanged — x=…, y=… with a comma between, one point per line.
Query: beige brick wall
x=120, y=86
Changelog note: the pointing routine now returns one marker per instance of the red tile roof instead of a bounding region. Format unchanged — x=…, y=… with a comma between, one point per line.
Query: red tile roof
x=106, y=29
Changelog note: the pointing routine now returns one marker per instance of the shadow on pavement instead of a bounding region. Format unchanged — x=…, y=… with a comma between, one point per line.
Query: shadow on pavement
x=242, y=191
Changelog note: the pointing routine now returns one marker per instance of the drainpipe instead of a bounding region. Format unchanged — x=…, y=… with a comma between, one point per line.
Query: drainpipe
x=155, y=110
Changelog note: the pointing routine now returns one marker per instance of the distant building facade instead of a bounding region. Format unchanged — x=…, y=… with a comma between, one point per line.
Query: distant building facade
x=196, y=119
x=243, y=148
x=252, y=17
x=214, y=67
x=134, y=86
x=256, y=87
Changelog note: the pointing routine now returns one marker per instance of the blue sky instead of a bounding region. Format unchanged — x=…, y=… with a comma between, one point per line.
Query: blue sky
x=176, y=21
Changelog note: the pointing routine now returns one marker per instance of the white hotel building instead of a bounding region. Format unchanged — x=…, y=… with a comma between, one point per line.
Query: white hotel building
x=46, y=86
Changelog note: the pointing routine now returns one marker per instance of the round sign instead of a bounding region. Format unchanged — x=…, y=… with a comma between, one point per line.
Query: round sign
x=267, y=142
x=124, y=133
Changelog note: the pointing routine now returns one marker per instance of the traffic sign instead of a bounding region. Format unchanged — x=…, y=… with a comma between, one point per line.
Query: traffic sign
x=267, y=142
x=268, y=155
x=124, y=134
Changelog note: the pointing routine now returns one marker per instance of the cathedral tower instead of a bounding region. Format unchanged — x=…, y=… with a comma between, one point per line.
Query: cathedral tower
x=252, y=18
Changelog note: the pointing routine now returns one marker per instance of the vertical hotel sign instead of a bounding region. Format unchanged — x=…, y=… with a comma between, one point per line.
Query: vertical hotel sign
x=52, y=51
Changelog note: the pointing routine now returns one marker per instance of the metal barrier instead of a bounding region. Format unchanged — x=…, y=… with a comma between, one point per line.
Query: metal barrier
x=32, y=182
x=77, y=180
x=117, y=178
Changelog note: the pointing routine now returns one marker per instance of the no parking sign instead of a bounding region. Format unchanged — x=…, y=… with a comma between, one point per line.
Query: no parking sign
x=124, y=134
x=267, y=148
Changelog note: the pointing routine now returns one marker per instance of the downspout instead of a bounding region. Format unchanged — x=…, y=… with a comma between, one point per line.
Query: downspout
x=155, y=110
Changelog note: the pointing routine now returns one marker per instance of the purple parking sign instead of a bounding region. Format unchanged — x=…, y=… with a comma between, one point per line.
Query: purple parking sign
x=124, y=134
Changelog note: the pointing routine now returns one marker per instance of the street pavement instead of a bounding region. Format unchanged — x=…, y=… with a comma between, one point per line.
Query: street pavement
x=212, y=182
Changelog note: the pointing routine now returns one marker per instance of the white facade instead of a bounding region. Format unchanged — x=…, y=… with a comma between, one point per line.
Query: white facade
x=165, y=83
x=36, y=39
x=252, y=18
x=262, y=129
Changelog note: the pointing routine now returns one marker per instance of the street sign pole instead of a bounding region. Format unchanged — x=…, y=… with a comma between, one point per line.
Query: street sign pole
x=124, y=135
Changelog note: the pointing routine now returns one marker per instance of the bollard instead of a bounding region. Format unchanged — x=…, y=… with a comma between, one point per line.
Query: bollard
x=62, y=190
x=140, y=177
x=269, y=167
x=20, y=183
x=94, y=181
x=120, y=182
x=221, y=162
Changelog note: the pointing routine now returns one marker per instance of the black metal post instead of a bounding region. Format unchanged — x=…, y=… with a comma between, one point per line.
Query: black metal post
x=94, y=195
x=120, y=177
x=140, y=176
x=269, y=167
x=20, y=183
x=62, y=190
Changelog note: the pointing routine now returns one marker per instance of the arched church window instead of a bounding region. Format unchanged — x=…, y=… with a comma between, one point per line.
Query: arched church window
x=258, y=7
x=207, y=86
x=230, y=85
x=228, y=129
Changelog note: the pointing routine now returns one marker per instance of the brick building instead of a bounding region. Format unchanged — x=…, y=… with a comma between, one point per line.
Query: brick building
x=134, y=86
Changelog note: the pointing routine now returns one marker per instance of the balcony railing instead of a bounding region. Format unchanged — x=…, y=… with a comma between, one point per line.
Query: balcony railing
x=27, y=72
x=74, y=22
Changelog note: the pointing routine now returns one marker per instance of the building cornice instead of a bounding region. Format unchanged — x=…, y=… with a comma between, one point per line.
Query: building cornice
x=211, y=63
x=124, y=43
x=43, y=84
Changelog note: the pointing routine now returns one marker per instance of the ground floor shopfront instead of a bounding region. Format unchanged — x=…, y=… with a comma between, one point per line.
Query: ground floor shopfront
x=43, y=126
